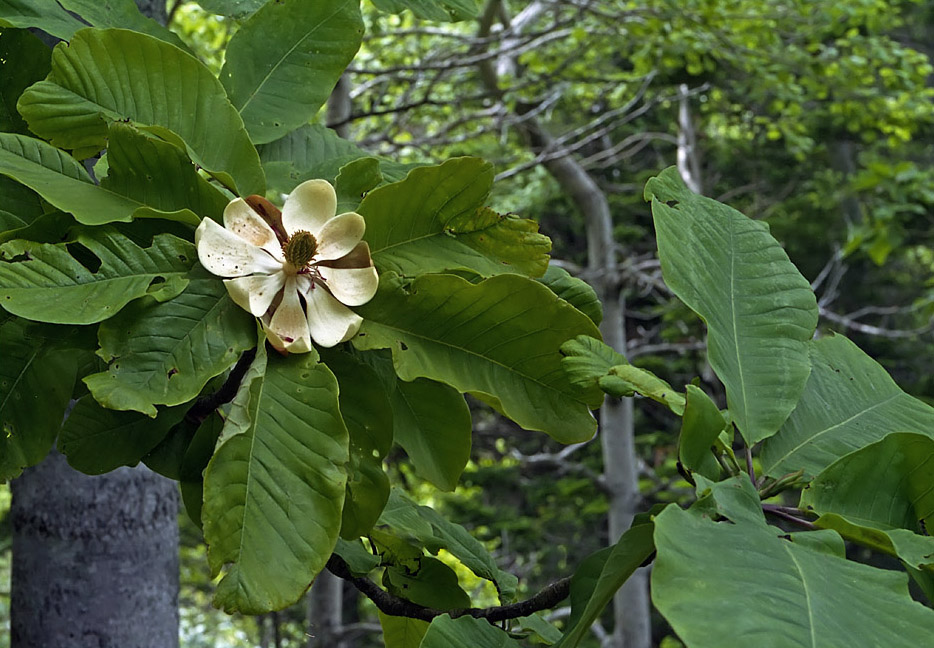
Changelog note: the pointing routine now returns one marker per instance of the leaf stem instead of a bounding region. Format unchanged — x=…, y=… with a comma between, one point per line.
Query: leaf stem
x=206, y=405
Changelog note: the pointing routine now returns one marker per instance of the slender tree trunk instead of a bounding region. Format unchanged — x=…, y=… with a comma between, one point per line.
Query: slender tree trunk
x=339, y=107
x=632, y=621
x=95, y=559
x=325, y=612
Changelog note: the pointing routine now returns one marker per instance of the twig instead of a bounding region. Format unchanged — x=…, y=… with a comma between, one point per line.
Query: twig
x=204, y=406
x=783, y=513
x=394, y=606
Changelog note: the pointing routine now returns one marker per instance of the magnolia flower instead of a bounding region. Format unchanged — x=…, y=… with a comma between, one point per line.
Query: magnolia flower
x=298, y=269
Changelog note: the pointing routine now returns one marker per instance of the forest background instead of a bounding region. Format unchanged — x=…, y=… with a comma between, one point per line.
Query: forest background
x=813, y=116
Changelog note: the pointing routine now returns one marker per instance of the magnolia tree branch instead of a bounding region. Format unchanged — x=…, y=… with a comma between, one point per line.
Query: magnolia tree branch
x=395, y=606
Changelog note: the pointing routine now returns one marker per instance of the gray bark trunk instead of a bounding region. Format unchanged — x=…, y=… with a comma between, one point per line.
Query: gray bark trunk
x=631, y=610
x=95, y=559
x=339, y=107
x=325, y=612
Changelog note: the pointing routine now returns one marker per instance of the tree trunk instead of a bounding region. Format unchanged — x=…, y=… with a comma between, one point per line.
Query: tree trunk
x=325, y=612
x=632, y=621
x=95, y=559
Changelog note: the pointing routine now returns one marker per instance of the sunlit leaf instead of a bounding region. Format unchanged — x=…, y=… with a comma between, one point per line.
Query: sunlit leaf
x=107, y=75
x=498, y=339
x=760, y=312
x=274, y=490
x=402, y=632
x=435, y=220
x=849, y=402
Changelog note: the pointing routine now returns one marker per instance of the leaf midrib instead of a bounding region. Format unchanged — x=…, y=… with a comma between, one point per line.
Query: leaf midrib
x=279, y=63
x=479, y=356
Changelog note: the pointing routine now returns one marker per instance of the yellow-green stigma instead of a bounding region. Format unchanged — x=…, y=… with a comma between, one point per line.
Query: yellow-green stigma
x=300, y=249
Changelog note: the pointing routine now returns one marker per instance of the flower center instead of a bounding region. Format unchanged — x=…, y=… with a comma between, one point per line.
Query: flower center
x=300, y=249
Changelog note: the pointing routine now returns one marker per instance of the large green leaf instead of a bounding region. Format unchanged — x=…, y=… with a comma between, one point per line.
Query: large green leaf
x=465, y=632
x=159, y=175
x=442, y=10
x=120, y=13
x=97, y=440
x=434, y=221
x=715, y=580
x=888, y=484
x=760, y=312
x=596, y=581
x=274, y=490
x=107, y=75
x=435, y=532
x=849, y=402
x=367, y=413
x=432, y=424
x=46, y=283
x=498, y=339
x=163, y=353
x=285, y=59
x=36, y=381
x=24, y=59
x=50, y=17
x=62, y=180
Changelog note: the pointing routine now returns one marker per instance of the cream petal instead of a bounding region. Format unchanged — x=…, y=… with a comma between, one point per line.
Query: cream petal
x=310, y=205
x=351, y=286
x=243, y=221
x=329, y=321
x=359, y=257
x=289, y=323
x=227, y=255
x=340, y=236
x=256, y=292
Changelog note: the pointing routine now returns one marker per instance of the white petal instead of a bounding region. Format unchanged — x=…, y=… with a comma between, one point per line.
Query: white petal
x=289, y=323
x=329, y=320
x=351, y=286
x=227, y=255
x=256, y=292
x=309, y=206
x=339, y=236
x=240, y=219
